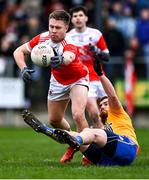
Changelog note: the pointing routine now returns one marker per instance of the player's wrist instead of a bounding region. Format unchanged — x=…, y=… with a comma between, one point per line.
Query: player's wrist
x=23, y=68
x=97, y=51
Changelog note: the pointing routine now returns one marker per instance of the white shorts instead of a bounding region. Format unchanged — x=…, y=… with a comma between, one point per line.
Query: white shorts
x=96, y=90
x=59, y=91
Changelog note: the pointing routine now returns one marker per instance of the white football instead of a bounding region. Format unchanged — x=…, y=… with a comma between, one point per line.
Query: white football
x=41, y=55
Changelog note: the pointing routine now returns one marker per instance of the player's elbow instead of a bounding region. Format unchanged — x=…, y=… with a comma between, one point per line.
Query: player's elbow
x=113, y=97
x=20, y=50
x=16, y=52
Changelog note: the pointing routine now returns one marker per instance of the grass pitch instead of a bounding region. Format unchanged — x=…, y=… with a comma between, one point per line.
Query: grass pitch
x=25, y=154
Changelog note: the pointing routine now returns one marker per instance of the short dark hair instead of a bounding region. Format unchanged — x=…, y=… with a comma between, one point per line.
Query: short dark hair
x=77, y=9
x=101, y=99
x=60, y=15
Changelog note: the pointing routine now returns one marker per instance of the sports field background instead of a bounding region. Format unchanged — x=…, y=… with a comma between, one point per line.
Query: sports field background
x=25, y=154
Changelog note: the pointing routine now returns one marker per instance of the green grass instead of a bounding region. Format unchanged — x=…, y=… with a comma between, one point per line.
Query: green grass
x=25, y=154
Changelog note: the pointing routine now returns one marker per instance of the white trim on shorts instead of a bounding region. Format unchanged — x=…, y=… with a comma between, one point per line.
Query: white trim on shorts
x=58, y=91
x=96, y=90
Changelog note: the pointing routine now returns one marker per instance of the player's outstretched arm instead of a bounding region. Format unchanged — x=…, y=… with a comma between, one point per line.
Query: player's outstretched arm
x=110, y=91
x=107, y=85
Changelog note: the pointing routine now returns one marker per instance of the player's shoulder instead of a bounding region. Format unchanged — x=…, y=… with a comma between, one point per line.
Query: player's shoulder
x=44, y=34
x=94, y=30
x=72, y=31
x=68, y=39
x=42, y=37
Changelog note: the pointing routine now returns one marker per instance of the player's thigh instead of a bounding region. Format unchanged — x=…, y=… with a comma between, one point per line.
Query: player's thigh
x=92, y=106
x=56, y=109
x=78, y=96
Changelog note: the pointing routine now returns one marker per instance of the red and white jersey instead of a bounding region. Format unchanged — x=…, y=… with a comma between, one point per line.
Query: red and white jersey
x=64, y=74
x=82, y=40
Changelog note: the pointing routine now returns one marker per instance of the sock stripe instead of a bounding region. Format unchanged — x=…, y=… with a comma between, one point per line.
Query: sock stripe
x=79, y=139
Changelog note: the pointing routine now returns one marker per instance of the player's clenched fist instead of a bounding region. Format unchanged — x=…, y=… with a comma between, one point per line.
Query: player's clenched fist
x=56, y=61
x=94, y=49
x=27, y=74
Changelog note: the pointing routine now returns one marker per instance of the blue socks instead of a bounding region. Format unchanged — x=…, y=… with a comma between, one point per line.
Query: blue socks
x=48, y=130
x=79, y=139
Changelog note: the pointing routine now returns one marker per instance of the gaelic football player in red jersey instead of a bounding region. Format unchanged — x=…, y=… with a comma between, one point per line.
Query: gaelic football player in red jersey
x=69, y=79
x=90, y=43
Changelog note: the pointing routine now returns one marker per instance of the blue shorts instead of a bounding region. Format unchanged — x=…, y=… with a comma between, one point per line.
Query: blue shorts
x=119, y=150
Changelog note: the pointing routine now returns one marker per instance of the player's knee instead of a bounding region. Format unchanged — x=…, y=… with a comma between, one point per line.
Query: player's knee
x=94, y=115
x=100, y=138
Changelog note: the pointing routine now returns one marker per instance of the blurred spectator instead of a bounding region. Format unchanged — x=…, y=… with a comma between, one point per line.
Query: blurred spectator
x=2, y=66
x=123, y=19
x=116, y=45
x=116, y=10
x=77, y=2
x=7, y=10
x=7, y=48
x=106, y=11
x=113, y=38
x=116, y=14
x=128, y=23
x=142, y=33
x=7, y=45
x=90, y=5
x=136, y=53
x=55, y=5
x=34, y=27
x=32, y=7
x=142, y=4
x=133, y=5
x=50, y=6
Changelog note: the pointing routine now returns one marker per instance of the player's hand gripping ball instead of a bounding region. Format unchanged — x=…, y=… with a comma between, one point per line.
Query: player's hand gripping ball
x=41, y=55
